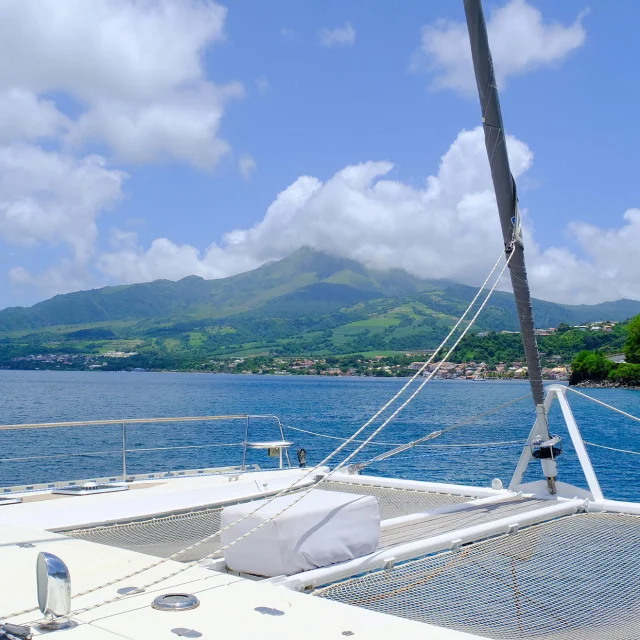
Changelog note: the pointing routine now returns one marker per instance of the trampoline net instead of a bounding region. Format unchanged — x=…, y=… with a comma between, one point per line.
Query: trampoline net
x=165, y=535
x=577, y=577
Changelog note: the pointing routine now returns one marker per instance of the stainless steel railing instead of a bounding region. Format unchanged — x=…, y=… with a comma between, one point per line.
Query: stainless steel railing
x=124, y=423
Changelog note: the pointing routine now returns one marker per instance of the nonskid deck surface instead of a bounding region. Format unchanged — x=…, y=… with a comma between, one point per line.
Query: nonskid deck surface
x=574, y=578
x=168, y=534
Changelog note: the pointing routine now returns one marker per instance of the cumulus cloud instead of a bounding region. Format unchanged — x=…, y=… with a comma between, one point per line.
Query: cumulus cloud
x=134, y=68
x=441, y=231
x=63, y=277
x=344, y=35
x=181, y=127
x=608, y=268
x=520, y=40
x=50, y=198
x=131, y=76
x=25, y=117
x=447, y=229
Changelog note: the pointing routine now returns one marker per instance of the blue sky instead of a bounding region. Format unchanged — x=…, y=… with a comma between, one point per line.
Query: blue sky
x=132, y=160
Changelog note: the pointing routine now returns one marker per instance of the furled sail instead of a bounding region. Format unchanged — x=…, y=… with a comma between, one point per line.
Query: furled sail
x=505, y=187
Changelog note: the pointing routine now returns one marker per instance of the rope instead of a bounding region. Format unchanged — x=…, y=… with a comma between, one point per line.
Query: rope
x=601, y=446
x=326, y=459
x=398, y=444
x=119, y=451
x=436, y=434
x=604, y=404
x=311, y=471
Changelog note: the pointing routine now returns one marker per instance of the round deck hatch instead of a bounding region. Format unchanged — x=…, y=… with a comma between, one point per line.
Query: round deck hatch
x=176, y=602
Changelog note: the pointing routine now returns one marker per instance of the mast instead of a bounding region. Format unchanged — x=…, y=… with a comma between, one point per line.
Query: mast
x=505, y=189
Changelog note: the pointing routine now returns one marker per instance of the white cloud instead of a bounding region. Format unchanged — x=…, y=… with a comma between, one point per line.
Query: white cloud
x=183, y=127
x=344, y=35
x=63, y=277
x=247, y=166
x=448, y=229
x=361, y=214
x=49, y=198
x=25, y=117
x=135, y=67
x=131, y=73
x=520, y=41
x=132, y=50
x=608, y=270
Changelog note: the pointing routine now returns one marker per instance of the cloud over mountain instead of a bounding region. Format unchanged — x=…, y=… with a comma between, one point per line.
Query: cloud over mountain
x=135, y=88
x=521, y=41
x=448, y=229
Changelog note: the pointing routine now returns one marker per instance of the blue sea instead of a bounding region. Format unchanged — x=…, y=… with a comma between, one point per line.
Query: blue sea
x=331, y=406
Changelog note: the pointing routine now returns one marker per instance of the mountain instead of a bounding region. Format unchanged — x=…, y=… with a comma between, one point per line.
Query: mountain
x=194, y=296
x=309, y=302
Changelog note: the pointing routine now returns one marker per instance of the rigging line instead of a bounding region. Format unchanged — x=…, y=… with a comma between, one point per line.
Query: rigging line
x=310, y=472
x=398, y=444
x=436, y=434
x=604, y=404
x=290, y=487
x=601, y=446
x=119, y=451
x=474, y=445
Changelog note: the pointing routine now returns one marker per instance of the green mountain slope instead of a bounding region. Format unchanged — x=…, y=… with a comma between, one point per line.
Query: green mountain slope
x=309, y=302
x=194, y=296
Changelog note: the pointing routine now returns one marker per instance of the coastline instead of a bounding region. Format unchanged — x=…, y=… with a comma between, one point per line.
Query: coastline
x=605, y=384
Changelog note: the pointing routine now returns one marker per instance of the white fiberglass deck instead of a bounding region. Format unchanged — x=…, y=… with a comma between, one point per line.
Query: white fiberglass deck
x=231, y=605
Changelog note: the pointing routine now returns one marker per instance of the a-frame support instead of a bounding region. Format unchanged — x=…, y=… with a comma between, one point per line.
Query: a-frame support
x=539, y=427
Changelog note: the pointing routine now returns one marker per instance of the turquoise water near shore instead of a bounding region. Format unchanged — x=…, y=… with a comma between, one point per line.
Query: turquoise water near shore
x=332, y=406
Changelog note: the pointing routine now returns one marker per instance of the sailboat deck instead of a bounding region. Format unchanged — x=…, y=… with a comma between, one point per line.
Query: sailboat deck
x=166, y=534
x=571, y=578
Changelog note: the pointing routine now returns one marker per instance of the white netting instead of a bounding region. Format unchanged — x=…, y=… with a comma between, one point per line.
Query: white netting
x=575, y=578
x=438, y=524
x=397, y=502
x=165, y=535
x=161, y=536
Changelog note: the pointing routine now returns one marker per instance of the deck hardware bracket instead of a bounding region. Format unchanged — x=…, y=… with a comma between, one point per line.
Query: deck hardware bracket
x=389, y=563
x=175, y=602
x=15, y=631
x=513, y=528
x=455, y=545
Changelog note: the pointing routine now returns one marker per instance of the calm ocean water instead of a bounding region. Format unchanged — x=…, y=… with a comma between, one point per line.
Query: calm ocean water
x=335, y=406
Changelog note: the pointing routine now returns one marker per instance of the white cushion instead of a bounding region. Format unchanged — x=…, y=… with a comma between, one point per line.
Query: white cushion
x=323, y=528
